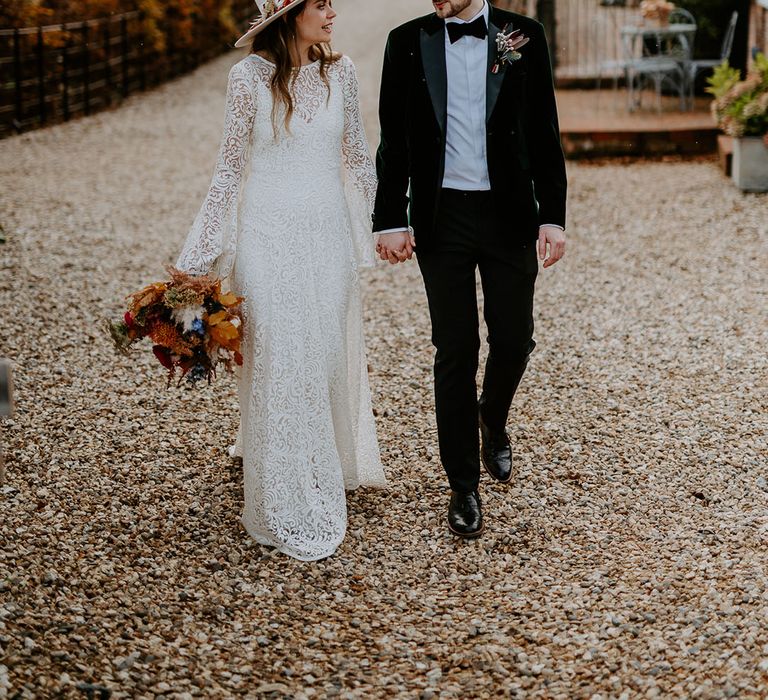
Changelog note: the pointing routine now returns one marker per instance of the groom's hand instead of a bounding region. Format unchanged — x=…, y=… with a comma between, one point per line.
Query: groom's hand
x=396, y=247
x=551, y=244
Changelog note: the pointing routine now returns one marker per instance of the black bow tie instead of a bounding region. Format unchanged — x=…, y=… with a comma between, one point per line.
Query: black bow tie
x=478, y=29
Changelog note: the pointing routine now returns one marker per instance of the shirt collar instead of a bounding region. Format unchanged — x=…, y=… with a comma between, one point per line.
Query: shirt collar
x=485, y=12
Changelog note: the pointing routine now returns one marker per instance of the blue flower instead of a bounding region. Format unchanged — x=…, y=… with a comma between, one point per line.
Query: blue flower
x=196, y=374
x=198, y=326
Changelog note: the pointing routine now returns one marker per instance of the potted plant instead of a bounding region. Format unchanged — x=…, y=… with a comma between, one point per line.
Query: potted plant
x=740, y=108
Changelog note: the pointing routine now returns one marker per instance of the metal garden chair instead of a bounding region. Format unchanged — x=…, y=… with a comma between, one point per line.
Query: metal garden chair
x=698, y=66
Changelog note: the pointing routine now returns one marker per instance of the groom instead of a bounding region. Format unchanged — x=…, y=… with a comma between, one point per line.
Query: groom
x=471, y=139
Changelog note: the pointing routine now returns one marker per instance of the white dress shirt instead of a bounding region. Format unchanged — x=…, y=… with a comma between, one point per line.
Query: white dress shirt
x=466, y=61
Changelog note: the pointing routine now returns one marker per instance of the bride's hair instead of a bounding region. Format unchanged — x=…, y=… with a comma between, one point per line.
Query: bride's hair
x=276, y=41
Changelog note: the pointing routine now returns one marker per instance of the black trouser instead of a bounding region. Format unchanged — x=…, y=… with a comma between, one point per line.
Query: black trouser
x=469, y=236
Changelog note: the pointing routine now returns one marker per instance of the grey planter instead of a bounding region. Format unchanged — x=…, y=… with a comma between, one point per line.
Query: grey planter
x=750, y=164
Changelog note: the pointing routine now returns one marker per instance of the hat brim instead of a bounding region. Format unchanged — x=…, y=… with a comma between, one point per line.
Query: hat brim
x=260, y=26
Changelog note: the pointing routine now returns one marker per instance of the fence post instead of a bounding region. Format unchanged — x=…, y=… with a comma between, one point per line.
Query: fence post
x=86, y=66
x=17, y=79
x=124, y=49
x=169, y=49
x=41, y=76
x=195, y=49
x=65, y=73
x=107, y=58
x=142, y=54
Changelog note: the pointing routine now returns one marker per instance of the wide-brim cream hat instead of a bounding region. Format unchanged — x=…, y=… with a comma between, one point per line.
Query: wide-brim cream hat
x=269, y=11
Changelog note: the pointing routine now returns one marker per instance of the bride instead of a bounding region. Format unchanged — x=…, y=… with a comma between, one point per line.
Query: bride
x=288, y=220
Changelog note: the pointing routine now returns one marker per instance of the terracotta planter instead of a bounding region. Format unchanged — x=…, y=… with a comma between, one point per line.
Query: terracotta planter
x=750, y=164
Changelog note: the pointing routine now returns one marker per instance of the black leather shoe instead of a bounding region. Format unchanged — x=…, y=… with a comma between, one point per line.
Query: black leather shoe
x=465, y=518
x=496, y=454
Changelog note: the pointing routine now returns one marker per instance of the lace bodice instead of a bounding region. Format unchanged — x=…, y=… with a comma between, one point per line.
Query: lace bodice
x=252, y=151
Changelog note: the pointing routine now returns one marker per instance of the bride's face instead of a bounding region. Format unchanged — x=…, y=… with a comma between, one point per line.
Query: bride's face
x=314, y=24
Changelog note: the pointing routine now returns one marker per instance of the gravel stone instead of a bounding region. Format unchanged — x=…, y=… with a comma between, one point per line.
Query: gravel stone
x=601, y=573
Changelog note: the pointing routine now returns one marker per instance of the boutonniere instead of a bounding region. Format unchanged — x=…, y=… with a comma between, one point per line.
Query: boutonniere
x=507, y=45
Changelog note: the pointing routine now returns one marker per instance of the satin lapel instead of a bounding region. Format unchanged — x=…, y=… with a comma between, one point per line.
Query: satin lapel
x=493, y=81
x=435, y=71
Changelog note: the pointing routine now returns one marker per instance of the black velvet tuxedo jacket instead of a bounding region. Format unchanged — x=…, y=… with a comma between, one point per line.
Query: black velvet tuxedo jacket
x=525, y=158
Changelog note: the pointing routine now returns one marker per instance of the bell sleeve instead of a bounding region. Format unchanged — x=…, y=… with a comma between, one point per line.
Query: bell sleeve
x=211, y=243
x=359, y=172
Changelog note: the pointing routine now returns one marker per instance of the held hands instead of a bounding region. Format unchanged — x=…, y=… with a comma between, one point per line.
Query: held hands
x=396, y=247
x=554, y=238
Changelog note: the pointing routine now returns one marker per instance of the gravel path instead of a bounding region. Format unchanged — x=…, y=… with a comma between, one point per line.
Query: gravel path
x=626, y=559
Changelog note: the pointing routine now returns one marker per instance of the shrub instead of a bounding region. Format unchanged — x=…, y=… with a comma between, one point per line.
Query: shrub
x=741, y=106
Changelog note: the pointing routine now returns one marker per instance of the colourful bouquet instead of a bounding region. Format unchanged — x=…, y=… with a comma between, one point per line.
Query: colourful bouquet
x=193, y=325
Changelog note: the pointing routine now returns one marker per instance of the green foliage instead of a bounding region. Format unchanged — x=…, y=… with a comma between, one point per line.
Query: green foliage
x=741, y=106
x=761, y=66
x=722, y=80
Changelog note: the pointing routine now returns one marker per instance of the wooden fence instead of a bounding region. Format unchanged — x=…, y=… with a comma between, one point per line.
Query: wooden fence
x=53, y=73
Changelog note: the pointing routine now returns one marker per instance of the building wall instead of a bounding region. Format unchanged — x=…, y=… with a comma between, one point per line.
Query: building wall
x=758, y=27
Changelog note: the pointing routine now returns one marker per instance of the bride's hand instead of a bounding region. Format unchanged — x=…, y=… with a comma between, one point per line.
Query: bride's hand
x=396, y=247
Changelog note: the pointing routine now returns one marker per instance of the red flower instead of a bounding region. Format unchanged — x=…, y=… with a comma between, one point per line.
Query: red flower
x=128, y=318
x=163, y=355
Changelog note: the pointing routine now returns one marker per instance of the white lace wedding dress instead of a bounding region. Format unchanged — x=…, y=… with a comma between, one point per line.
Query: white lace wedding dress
x=288, y=220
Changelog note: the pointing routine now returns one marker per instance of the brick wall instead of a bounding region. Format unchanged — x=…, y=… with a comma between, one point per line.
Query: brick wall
x=758, y=27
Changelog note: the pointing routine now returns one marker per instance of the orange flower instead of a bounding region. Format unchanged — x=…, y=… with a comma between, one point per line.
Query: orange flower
x=224, y=333
x=167, y=335
x=228, y=299
x=218, y=317
x=147, y=296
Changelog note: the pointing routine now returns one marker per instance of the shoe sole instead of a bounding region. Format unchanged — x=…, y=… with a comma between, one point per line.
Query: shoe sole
x=467, y=535
x=491, y=474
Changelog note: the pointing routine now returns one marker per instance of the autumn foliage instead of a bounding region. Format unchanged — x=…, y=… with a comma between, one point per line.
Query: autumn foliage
x=194, y=326
x=219, y=17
